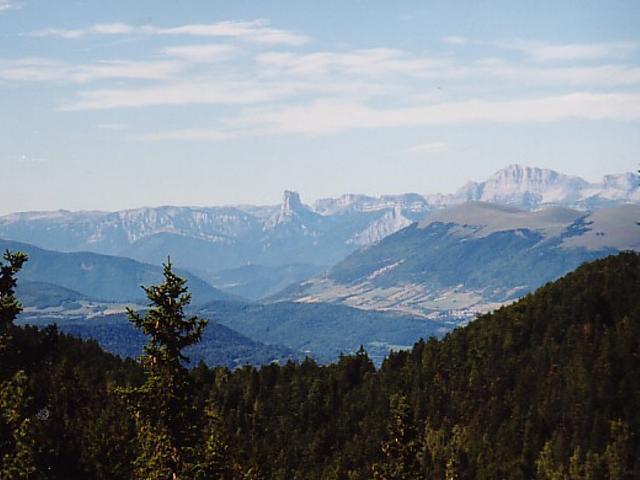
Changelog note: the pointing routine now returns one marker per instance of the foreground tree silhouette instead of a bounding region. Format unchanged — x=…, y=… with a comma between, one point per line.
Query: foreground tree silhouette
x=10, y=307
x=163, y=410
x=17, y=442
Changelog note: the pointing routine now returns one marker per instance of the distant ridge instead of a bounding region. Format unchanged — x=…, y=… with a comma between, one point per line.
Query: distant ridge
x=98, y=277
x=210, y=240
x=470, y=258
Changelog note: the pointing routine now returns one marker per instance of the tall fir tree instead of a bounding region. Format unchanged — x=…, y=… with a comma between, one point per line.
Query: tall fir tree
x=10, y=306
x=163, y=407
x=399, y=451
x=17, y=438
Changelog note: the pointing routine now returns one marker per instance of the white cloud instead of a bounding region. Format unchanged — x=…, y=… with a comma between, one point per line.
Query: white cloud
x=201, y=53
x=60, y=32
x=495, y=69
x=543, y=52
x=7, y=5
x=255, y=31
x=455, y=40
x=432, y=147
x=45, y=70
x=111, y=29
x=370, y=62
x=332, y=116
x=181, y=93
x=202, y=134
x=112, y=126
x=27, y=159
x=140, y=70
x=332, y=91
x=232, y=90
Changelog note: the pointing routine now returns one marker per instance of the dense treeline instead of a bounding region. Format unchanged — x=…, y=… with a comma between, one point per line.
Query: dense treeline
x=546, y=388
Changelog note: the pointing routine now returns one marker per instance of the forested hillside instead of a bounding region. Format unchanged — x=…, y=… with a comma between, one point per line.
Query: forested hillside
x=545, y=388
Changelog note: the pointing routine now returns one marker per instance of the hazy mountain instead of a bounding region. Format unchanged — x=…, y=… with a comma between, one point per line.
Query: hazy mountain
x=113, y=232
x=529, y=187
x=470, y=257
x=99, y=277
x=46, y=295
x=389, y=223
x=258, y=281
x=208, y=240
x=293, y=213
x=412, y=203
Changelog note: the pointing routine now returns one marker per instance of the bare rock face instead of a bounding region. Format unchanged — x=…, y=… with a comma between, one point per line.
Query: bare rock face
x=530, y=188
x=291, y=209
x=391, y=222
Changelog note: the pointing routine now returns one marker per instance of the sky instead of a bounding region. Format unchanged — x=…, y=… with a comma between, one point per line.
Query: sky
x=120, y=104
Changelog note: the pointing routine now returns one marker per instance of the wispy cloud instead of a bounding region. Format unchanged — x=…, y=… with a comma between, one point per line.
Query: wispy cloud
x=198, y=134
x=590, y=76
x=43, y=70
x=180, y=93
x=370, y=62
x=545, y=52
x=427, y=148
x=112, y=126
x=201, y=53
x=255, y=31
x=29, y=160
x=555, y=52
x=455, y=40
x=7, y=5
x=232, y=90
x=331, y=116
x=266, y=91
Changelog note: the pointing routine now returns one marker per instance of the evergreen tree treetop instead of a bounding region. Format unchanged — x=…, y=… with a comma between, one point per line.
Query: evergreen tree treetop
x=165, y=322
x=163, y=408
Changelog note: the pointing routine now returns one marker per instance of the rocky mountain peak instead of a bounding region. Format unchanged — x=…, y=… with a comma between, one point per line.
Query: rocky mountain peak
x=291, y=203
x=527, y=187
x=523, y=177
x=291, y=208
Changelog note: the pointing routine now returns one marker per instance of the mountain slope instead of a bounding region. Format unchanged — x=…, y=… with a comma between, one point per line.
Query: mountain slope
x=323, y=331
x=100, y=277
x=258, y=281
x=471, y=257
x=557, y=371
x=45, y=295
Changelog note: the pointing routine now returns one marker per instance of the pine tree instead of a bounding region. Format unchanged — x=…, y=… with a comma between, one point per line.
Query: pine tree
x=400, y=452
x=17, y=437
x=165, y=417
x=17, y=440
x=215, y=461
x=10, y=307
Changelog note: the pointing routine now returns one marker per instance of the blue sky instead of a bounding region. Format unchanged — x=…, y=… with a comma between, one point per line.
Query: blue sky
x=110, y=105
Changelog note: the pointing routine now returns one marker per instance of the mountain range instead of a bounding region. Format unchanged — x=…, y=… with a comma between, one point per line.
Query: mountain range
x=324, y=279
x=275, y=245
x=470, y=258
